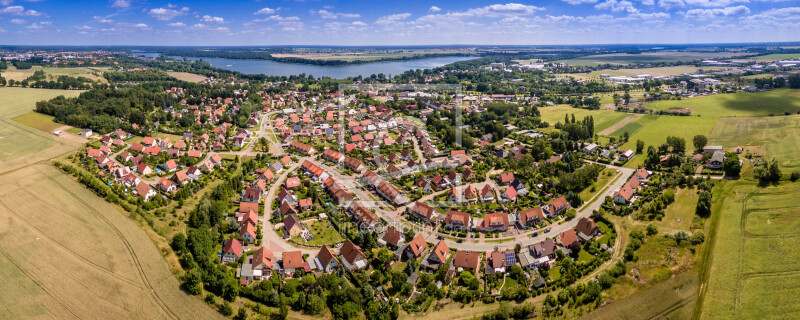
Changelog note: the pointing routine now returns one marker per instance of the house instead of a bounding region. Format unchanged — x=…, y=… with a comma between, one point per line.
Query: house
x=394, y=238
x=292, y=182
x=569, y=240
x=544, y=248
x=556, y=207
x=487, y=193
x=231, y=251
x=457, y=220
x=326, y=260
x=437, y=257
x=627, y=155
x=251, y=195
x=587, y=229
x=353, y=258
x=180, y=177
x=286, y=196
x=170, y=166
x=642, y=174
x=292, y=226
x=717, y=158
x=520, y=187
x=292, y=260
x=392, y=193
x=305, y=204
x=623, y=195
x=531, y=217
x=423, y=211
x=499, y=260
x=493, y=222
x=510, y=195
x=261, y=264
x=166, y=185
x=470, y=194
x=354, y=164
x=590, y=149
x=248, y=232
x=467, y=260
x=415, y=248
x=144, y=190
x=711, y=149
x=506, y=178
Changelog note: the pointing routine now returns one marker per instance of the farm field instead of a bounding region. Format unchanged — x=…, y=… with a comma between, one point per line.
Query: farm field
x=93, y=73
x=186, y=76
x=753, y=263
x=39, y=121
x=777, y=136
x=602, y=118
x=647, y=57
x=21, y=145
x=672, y=299
x=777, y=56
x=68, y=254
x=661, y=71
x=740, y=104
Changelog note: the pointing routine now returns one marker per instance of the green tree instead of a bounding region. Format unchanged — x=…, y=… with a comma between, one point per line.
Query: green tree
x=731, y=165
x=704, y=204
x=639, y=146
x=699, y=141
x=651, y=229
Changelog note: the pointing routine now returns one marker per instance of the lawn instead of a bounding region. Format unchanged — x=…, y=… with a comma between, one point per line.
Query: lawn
x=39, y=121
x=751, y=273
x=602, y=118
x=778, y=136
x=680, y=213
x=324, y=234
x=602, y=180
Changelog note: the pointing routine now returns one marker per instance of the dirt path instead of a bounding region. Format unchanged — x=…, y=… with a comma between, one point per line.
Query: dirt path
x=620, y=124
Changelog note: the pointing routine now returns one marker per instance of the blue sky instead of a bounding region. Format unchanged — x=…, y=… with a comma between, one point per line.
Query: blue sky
x=310, y=22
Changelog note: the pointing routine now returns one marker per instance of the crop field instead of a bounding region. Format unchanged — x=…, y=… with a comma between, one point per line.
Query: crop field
x=67, y=254
x=647, y=57
x=186, y=76
x=39, y=121
x=93, y=73
x=22, y=145
x=602, y=118
x=672, y=299
x=777, y=56
x=753, y=266
x=660, y=71
x=777, y=136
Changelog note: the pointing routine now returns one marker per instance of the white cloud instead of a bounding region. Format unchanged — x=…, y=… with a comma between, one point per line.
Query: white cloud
x=266, y=11
x=434, y=9
x=648, y=2
x=713, y=3
x=671, y=3
x=141, y=26
x=20, y=11
x=575, y=2
x=325, y=14
x=6, y=2
x=702, y=14
x=18, y=21
x=778, y=14
x=166, y=14
x=177, y=24
x=120, y=3
x=394, y=18
x=208, y=18
x=617, y=6
x=491, y=11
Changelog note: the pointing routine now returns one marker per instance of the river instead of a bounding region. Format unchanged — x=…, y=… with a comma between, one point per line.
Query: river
x=338, y=72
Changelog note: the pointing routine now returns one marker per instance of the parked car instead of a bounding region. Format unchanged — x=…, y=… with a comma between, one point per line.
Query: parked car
x=535, y=234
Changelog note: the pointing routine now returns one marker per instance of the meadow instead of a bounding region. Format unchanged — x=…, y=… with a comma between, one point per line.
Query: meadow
x=68, y=254
x=186, y=76
x=643, y=58
x=740, y=104
x=602, y=118
x=659, y=71
x=777, y=56
x=20, y=144
x=753, y=263
x=93, y=73
x=777, y=136
x=671, y=299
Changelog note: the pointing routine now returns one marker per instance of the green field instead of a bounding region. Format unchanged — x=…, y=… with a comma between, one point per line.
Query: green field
x=778, y=136
x=655, y=129
x=39, y=121
x=740, y=104
x=22, y=145
x=754, y=262
x=679, y=214
x=778, y=56
x=602, y=118
x=649, y=57
x=323, y=233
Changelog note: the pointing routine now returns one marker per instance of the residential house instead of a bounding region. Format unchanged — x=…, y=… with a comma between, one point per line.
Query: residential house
x=353, y=257
x=493, y=222
x=457, y=220
x=144, y=190
x=623, y=195
x=467, y=260
x=437, y=257
x=569, y=240
x=393, y=238
x=423, y=211
x=326, y=260
x=556, y=207
x=292, y=260
x=532, y=216
x=231, y=251
x=587, y=229
x=416, y=247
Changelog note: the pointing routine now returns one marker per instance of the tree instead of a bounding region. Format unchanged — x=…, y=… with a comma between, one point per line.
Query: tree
x=704, y=204
x=731, y=165
x=639, y=146
x=652, y=229
x=314, y=304
x=699, y=141
x=193, y=282
x=241, y=314
x=226, y=309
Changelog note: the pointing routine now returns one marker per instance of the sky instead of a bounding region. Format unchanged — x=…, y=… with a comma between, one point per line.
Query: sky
x=391, y=22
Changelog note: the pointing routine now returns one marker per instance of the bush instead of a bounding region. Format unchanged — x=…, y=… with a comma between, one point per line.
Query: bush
x=795, y=176
x=226, y=309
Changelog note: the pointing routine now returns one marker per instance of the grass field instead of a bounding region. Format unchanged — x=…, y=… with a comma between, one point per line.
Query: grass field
x=185, y=76
x=661, y=71
x=672, y=299
x=740, y=104
x=67, y=254
x=324, y=234
x=39, y=121
x=21, y=145
x=680, y=213
x=602, y=118
x=777, y=56
x=753, y=265
x=778, y=136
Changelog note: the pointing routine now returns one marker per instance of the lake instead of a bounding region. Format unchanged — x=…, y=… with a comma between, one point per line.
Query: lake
x=338, y=72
